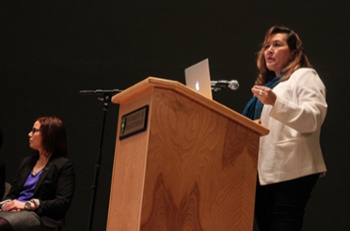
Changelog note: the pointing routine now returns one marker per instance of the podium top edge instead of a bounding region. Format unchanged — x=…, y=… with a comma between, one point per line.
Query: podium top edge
x=145, y=84
x=156, y=82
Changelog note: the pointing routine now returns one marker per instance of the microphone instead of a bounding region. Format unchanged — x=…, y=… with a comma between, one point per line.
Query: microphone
x=99, y=92
x=231, y=84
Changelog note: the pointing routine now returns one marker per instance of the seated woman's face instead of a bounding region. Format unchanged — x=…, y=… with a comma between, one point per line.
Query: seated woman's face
x=35, y=137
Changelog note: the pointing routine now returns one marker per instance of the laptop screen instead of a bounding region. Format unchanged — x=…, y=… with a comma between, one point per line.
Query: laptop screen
x=198, y=78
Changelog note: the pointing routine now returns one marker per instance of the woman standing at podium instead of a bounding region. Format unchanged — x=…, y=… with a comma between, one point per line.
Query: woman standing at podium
x=290, y=100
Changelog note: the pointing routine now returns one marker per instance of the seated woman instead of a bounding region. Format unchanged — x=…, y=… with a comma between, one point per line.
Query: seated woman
x=43, y=188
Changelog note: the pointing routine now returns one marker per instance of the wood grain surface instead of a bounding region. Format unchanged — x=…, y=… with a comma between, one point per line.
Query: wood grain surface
x=201, y=169
x=192, y=169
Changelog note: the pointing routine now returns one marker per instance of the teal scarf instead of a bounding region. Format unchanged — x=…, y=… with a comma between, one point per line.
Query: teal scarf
x=254, y=107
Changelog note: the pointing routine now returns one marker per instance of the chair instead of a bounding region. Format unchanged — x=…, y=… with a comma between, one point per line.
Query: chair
x=7, y=189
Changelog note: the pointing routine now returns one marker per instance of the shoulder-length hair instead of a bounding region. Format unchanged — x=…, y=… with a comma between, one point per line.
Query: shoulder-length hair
x=299, y=58
x=54, y=137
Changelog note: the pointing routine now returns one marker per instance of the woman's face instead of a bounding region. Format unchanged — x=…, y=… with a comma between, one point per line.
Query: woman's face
x=35, y=137
x=277, y=54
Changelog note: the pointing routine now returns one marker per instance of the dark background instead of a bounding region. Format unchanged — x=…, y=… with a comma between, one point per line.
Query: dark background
x=49, y=50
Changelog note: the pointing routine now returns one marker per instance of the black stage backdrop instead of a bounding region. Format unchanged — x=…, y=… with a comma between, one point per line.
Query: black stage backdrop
x=52, y=49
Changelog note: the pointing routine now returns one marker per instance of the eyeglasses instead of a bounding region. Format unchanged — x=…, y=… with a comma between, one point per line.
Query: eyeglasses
x=34, y=130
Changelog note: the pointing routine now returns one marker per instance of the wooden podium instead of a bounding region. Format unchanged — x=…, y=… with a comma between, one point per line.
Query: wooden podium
x=191, y=166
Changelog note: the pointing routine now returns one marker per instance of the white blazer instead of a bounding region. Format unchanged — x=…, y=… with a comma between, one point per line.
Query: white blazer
x=292, y=148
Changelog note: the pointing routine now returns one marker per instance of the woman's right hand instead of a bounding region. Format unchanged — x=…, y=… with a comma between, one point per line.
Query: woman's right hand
x=264, y=94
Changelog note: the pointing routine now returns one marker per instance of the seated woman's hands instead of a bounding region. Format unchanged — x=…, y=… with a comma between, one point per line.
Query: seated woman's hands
x=13, y=206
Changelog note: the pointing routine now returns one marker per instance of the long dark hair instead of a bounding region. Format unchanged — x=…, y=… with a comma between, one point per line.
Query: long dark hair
x=299, y=58
x=54, y=137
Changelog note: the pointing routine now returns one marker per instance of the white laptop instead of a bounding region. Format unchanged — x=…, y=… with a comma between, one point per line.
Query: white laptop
x=198, y=78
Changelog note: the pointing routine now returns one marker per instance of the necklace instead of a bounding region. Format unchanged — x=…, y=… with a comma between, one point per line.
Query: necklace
x=41, y=163
x=37, y=169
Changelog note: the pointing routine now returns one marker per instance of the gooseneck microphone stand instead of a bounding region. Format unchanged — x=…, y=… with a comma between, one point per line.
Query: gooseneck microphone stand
x=105, y=96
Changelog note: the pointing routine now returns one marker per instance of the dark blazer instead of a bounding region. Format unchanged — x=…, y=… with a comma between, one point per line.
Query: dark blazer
x=55, y=188
x=2, y=179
